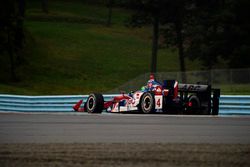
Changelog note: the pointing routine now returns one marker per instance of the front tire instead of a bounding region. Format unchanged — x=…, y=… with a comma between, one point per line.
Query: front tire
x=95, y=103
x=147, y=104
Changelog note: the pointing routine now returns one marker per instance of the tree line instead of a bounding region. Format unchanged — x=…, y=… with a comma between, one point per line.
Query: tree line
x=207, y=30
x=12, y=32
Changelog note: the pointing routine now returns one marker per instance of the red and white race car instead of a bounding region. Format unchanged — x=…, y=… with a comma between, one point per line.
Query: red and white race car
x=169, y=97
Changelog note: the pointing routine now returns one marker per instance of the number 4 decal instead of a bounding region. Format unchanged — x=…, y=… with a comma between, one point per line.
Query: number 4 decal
x=158, y=103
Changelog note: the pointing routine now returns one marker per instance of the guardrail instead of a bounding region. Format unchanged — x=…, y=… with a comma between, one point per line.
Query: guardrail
x=19, y=103
x=228, y=104
x=236, y=104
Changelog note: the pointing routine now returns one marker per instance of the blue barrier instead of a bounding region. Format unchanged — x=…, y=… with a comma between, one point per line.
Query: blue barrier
x=236, y=104
x=229, y=104
x=20, y=103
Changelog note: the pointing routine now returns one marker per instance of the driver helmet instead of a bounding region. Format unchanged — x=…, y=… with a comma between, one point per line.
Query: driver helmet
x=152, y=77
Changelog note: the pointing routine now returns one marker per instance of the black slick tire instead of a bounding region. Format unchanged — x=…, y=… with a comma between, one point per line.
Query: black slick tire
x=196, y=105
x=147, y=103
x=95, y=103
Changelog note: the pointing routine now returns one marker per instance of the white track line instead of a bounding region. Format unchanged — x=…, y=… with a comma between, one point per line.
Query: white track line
x=122, y=114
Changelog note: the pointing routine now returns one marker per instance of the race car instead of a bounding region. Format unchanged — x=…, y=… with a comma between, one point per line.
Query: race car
x=168, y=97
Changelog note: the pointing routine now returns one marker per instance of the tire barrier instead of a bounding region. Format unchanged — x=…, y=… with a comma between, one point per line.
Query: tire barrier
x=229, y=104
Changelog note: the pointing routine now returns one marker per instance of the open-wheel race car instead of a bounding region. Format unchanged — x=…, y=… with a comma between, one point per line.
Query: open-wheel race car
x=168, y=97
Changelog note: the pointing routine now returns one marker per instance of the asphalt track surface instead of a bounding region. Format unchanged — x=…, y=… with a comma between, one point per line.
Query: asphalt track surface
x=122, y=128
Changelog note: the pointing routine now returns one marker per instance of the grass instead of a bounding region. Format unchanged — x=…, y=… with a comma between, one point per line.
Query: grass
x=65, y=54
x=236, y=89
x=122, y=154
x=75, y=58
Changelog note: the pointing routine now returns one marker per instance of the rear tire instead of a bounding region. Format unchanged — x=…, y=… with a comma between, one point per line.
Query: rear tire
x=95, y=103
x=147, y=104
x=196, y=105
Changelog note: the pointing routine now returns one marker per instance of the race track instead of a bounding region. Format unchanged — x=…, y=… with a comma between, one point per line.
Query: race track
x=117, y=128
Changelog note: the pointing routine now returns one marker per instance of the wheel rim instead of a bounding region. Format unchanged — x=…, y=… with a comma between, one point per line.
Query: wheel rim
x=91, y=102
x=147, y=103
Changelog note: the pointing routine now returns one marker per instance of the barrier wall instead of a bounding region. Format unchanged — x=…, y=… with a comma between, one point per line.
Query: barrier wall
x=229, y=105
x=236, y=104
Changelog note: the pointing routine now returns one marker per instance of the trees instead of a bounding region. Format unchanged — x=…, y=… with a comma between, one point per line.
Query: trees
x=163, y=12
x=220, y=31
x=110, y=4
x=45, y=7
x=11, y=32
x=148, y=11
x=208, y=30
x=176, y=20
x=235, y=32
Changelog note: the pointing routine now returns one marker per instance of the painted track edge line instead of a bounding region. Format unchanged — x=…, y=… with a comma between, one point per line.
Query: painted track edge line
x=124, y=115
